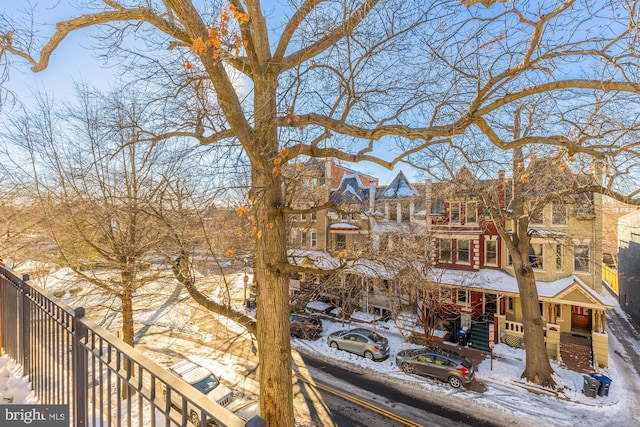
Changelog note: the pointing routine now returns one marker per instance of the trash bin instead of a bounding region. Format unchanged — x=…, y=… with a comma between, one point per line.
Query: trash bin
x=462, y=337
x=590, y=386
x=605, y=382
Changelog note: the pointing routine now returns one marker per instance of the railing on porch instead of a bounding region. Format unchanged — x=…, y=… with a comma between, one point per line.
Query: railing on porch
x=71, y=360
x=512, y=333
x=610, y=276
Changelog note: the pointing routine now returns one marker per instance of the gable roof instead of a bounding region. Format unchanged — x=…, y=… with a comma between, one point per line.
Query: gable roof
x=398, y=189
x=350, y=191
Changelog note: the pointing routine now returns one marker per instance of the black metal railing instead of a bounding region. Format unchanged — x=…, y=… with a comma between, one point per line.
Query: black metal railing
x=71, y=360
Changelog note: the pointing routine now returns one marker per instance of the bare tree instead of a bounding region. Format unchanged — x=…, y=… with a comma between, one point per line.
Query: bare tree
x=338, y=79
x=93, y=190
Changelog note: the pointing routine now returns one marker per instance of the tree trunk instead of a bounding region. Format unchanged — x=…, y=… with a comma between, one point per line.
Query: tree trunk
x=538, y=369
x=272, y=298
x=127, y=333
x=276, y=396
x=127, y=316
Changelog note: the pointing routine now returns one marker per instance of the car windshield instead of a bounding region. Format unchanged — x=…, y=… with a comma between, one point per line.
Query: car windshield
x=207, y=384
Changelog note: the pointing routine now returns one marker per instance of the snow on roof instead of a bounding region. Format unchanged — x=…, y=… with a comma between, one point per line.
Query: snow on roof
x=318, y=306
x=320, y=259
x=351, y=189
x=534, y=231
x=498, y=280
x=364, y=317
x=343, y=226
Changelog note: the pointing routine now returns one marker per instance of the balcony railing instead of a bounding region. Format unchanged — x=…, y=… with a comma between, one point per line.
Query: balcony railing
x=70, y=360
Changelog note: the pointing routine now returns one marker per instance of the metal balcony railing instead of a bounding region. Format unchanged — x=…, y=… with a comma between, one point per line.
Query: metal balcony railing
x=70, y=360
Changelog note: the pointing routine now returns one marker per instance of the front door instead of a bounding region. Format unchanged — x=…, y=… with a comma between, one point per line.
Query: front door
x=580, y=318
x=477, y=306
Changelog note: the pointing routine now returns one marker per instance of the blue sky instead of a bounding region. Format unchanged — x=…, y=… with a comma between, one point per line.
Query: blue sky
x=75, y=62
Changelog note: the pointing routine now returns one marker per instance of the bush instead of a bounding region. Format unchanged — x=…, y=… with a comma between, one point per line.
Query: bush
x=59, y=294
x=75, y=291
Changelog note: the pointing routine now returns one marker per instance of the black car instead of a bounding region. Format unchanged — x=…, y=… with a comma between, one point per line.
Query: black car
x=304, y=326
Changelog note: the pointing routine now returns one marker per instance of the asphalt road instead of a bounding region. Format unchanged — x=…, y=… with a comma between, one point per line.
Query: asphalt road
x=359, y=395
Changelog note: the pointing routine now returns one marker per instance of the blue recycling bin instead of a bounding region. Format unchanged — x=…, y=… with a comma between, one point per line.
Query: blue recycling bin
x=462, y=337
x=605, y=382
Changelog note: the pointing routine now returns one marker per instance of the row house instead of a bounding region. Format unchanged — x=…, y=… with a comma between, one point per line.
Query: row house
x=451, y=238
x=476, y=280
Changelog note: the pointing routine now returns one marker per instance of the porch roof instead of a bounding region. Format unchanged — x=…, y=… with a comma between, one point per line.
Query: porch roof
x=568, y=289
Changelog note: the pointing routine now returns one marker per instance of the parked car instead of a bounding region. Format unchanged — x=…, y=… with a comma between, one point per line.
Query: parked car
x=304, y=326
x=453, y=368
x=246, y=410
x=361, y=341
x=204, y=381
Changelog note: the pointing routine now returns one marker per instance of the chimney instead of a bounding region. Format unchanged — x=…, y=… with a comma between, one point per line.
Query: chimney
x=372, y=195
x=501, y=190
x=427, y=200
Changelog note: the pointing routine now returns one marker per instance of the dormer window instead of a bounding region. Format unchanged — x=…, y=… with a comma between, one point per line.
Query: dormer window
x=454, y=212
x=472, y=212
x=559, y=214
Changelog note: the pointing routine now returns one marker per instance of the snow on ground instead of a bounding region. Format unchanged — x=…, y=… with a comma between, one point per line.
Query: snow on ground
x=507, y=398
x=506, y=394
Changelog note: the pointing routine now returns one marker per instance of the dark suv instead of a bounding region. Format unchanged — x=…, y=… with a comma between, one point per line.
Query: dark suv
x=304, y=326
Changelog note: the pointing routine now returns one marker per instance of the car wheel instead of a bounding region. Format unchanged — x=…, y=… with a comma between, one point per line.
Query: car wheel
x=454, y=382
x=334, y=344
x=194, y=418
x=407, y=367
x=368, y=355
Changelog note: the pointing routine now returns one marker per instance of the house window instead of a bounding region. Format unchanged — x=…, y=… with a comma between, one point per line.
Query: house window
x=454, y=212
x=314, y=216
x=437, y=208
x=510, y=304
x=341, y=242
x=445, y=294
x=541, y=306
x=509, y=258
x=491, y=252
x=581, y=258
x=463, y=251
x=303, y=217
x=559, y=257
x=485, y=212
x=303, y=239
x=393, y=212
x=559, y=214
x=405, y=212
x=535, y=217
x=311, y=183
x=314, y=239
x=461, y=296
x=472, y=212
x=445, y=250
x=536, y=256
x=558, y=311
x=294, y=236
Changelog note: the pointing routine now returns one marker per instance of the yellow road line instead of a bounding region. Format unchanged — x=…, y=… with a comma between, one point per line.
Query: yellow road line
x=362, y=403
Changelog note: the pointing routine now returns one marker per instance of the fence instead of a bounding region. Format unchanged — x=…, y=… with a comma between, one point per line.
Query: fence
x=610, y=276
x=71, y=360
